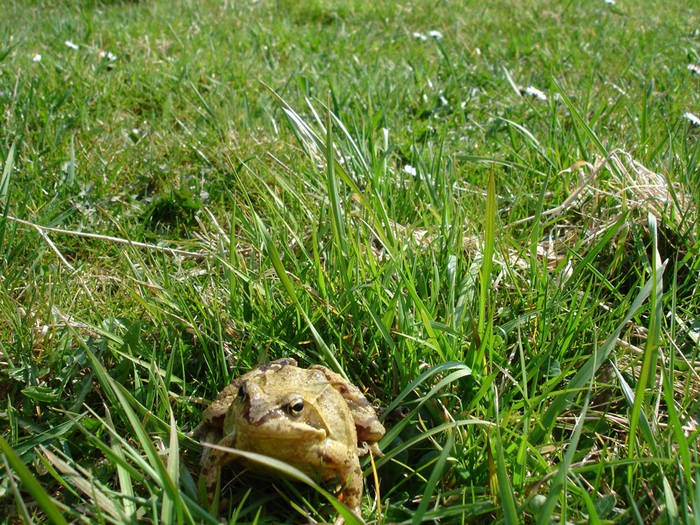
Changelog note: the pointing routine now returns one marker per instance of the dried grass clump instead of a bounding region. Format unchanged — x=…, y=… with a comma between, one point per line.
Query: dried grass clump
x=608, y=188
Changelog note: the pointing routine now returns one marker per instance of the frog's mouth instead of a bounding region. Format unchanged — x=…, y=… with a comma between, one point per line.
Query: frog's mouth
x=280, y=428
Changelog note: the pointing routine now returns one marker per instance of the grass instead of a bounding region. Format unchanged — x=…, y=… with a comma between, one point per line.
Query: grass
x=513, y=279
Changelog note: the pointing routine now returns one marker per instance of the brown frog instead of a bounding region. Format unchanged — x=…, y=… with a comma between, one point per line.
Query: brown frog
x=311, y=418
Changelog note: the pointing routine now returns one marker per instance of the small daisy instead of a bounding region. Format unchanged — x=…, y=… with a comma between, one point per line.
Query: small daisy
x=610, y=2
x=437, y=35
x=534, y=92
x=694, y=68
x=420, y=36
x=108, y=55
x=70, y=44
x=36, y=57
x=409, y=169
x=694, y=119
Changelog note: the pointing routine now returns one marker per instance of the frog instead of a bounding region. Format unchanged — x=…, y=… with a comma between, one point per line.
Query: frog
x=311, y=418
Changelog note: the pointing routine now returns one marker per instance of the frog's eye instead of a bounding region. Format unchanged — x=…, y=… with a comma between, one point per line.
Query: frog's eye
x=296, y=406
x=242, y=392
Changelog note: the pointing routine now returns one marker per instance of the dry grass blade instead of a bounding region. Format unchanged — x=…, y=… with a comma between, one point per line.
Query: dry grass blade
x=109, y=238
x=85, y=483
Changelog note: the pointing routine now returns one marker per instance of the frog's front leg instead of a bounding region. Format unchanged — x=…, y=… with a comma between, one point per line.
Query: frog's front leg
x=338, y=462
x=213, y=462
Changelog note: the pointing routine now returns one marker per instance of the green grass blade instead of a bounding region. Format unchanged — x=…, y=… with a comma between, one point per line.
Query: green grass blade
x=562, y=401
x=168, y=510
x=435, y=477
x=505, y=488
x=427, y=435
x=424, y=376
x=696, y=499
x=644, y=425
x=274, y=256
x=162, y=477
x=586, y=261
x=85, y=482
x=487, y=261
x=559, y=482
x=670, y=500
x=4, y=191
x=6, y=173
x=461, y=371
x=333, y=192
x=651, y=352
x=294, y=473
x=32, y=484
x=581, y=121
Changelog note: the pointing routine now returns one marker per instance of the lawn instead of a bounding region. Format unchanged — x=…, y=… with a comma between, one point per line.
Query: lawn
x=483, y=214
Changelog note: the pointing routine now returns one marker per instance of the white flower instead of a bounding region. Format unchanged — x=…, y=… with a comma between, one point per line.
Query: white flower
x=108, y=55
x=36, y=57
x=437, y=35
x=420, y=36
x=534, y=92
x=610, y=2
x=409, y=169
x=70, y=44
x=694, y=119
x=694, y=68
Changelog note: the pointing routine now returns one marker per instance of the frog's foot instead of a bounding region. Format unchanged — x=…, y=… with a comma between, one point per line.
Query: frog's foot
x=364, y=447
x=340, y=520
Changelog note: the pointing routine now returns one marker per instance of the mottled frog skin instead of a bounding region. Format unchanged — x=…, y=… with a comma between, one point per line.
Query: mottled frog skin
x=311, y=418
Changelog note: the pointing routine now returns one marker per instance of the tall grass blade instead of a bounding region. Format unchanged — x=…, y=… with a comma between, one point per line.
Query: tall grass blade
x=423, y=377
x=579, y=118
x=4, y=191
x=505, y=487
x=487, y=262
x=461, y=371
x=559, y=482
x=161, y=474
x=168, y=510
x=696, y=499
x=427, y=435
x=435, y=477
x=274, y=255
x=562, y=401
x=87, y=484
x=333, y=194
x=124, y=475
x=651, y=352
x=6, y=172
x=32, y=484
x=21, y=505
x=644, y=425
x=670, y=500
x=294, y=473
x=501, y=487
